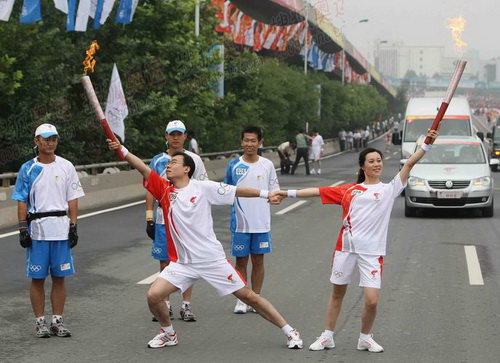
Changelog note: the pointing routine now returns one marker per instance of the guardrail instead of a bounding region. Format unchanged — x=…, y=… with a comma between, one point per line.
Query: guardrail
x=8, y=179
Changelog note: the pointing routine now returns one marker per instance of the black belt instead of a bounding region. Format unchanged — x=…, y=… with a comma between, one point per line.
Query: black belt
x=33, y=216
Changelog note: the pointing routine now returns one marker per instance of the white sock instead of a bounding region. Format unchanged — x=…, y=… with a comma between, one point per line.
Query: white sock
x=40, y=319
x=184, y=303
x=168, y=329
x=56, y=318
x=287, y=329
x=364, y=336
x=328, y=333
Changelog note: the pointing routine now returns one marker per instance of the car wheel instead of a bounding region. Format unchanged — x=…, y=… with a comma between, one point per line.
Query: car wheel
x=410, y=211
x=488, y=211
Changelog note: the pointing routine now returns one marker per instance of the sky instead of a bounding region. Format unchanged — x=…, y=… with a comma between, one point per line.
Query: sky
x=419, y=23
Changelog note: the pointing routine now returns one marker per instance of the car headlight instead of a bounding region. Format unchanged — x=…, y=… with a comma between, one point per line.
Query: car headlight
x=497, y=152
x=413, y=181
x=485, y=180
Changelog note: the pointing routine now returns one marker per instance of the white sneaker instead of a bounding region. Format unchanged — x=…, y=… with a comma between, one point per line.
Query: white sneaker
x=251, y=310
x=370, y=345
x=163, y=339
x=322, y=342
x=313, y=171
x=319, y=171
x=241, y=307
x=294, y=341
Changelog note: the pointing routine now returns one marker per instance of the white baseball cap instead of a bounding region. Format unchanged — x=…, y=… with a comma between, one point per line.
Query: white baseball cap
x=175, y=125
x=46, y=130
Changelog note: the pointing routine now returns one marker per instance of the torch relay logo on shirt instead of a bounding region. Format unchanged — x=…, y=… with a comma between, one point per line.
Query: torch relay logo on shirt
x=230, y=278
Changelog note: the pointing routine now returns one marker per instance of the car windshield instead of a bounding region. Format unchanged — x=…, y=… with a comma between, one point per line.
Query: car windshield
x=416, y=127
x=454, y=154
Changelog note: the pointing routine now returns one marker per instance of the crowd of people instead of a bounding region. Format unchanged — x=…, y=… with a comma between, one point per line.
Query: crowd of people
x=178, y=193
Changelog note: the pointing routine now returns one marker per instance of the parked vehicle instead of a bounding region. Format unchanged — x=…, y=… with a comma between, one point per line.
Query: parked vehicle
x=454, y=173
x=495, y=145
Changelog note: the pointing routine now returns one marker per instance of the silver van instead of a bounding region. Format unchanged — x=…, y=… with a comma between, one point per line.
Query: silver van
x=454, y=173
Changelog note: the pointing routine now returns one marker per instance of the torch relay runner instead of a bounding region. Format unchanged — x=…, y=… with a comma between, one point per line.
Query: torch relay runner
x=193, y=248
x=362, y=240
x=175, y=134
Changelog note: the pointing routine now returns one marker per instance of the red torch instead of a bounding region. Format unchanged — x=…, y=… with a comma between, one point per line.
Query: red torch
x=89, y=63
x=449, y=95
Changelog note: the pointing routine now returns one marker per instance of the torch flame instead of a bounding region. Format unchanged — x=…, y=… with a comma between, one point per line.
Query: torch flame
x=457, y=26
x=89, y=61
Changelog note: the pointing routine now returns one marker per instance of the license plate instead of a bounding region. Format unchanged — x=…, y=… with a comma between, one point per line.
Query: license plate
x=445, y=194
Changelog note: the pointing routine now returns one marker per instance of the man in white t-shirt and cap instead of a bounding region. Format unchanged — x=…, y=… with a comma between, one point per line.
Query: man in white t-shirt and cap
x=175, y=133
x=193, y=248
x=47, y=191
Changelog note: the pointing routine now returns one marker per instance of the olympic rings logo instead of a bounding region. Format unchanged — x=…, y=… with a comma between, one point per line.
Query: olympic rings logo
x=76, y=185
x=157, y=250
x=338, y=274
x=203, y=177
x=35, y=268
x=238, y=247
x=223, y=189
x=273, y=182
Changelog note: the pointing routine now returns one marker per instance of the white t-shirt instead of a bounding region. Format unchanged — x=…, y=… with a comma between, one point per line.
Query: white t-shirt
x=159, y=165
x=48, y=188
x=251, y=215
x=366, y=214
x=193, y=146
x=317, y=142
x=190, y=233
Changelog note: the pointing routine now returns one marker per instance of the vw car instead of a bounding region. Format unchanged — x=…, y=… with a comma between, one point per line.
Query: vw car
x=454, y=173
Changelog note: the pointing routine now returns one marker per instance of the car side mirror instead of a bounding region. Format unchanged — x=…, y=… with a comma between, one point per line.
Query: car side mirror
x=489, y=135
x=480, y=135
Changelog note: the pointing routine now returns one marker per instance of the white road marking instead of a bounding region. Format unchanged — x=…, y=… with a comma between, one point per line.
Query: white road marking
x=337, y=183
x=110, y=209
x=88, y=215
x=148, y=280
x=395, y=153
x=291, y=207
x=387, y=157
x=300, y=202
x=475, y=275
x=8, y=234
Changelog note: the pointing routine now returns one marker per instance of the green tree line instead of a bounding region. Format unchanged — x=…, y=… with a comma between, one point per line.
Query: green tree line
x=166, y=74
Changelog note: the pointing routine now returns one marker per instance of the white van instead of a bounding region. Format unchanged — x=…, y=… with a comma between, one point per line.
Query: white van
x=420, y=114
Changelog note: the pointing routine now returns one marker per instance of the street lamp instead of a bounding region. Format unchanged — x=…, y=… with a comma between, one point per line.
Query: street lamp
x=305, y=38
x=343, y=48
x=197, y=18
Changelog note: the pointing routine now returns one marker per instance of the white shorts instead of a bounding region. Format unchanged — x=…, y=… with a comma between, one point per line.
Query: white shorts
x=220, y=274
x=370, y=269
x=315, y=153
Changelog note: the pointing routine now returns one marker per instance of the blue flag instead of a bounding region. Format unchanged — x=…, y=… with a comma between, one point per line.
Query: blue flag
x=124, y=12
x=70, y=24
x=31, y=11
x=98, y=13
